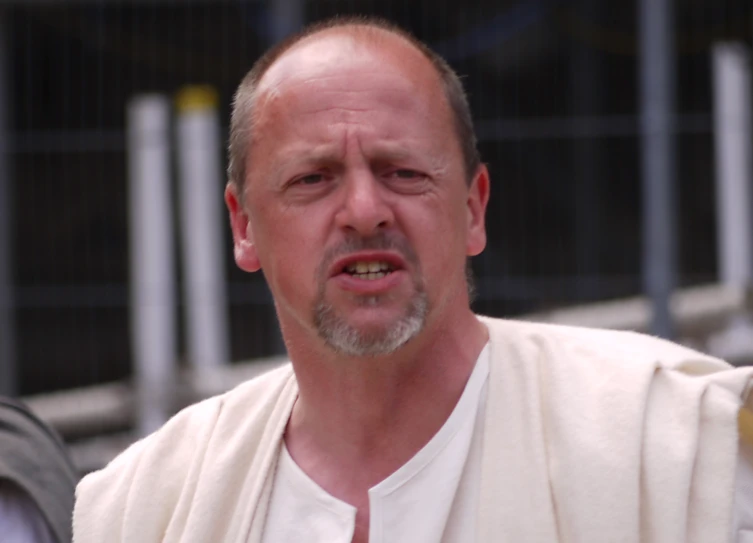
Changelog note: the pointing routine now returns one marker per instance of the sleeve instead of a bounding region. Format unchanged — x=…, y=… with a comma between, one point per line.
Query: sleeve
x=20, y=518
x=133, y=497
x=101, y=497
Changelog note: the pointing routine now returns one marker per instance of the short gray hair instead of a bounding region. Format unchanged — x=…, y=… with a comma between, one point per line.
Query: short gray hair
x=241, y=120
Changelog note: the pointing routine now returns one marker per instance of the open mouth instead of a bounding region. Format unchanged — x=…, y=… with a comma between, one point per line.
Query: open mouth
x=369, y=269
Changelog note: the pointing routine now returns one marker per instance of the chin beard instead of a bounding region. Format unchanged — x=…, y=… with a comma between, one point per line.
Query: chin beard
x=343, y=338
x=351, y=341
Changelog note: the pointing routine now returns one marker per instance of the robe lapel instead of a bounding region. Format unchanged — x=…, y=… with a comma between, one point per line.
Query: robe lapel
x=516, y=502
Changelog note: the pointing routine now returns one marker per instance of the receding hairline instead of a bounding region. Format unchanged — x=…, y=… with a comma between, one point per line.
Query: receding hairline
x=364, y=35
x=369, y=31
x=366, y=31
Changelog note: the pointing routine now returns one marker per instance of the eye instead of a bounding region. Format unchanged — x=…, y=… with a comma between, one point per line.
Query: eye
x=407, y=181
x=310, y=179
x=406, y=174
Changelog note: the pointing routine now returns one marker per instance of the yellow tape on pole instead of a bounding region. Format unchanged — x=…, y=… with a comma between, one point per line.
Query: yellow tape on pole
x=196, y=97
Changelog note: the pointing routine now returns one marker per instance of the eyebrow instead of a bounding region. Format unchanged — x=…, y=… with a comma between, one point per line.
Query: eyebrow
x=398, y=152
x=328, y=154
x=305, y=156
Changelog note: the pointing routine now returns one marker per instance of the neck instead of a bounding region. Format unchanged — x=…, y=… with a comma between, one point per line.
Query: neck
x=373, y=414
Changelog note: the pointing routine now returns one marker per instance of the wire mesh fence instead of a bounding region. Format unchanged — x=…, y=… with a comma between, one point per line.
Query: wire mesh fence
x=553, y=86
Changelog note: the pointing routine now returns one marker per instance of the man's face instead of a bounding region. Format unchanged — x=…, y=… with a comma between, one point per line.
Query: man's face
x=357, y=208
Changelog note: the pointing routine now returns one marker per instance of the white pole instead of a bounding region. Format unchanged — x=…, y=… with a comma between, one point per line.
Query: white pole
x=732, y=138
x=153, y=324
x=201, y=185
x=732, y=131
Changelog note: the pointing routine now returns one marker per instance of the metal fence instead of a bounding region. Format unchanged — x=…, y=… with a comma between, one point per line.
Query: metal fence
x=555, y=87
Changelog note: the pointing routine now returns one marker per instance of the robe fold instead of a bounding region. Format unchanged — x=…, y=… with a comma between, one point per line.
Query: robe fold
x=589, y=436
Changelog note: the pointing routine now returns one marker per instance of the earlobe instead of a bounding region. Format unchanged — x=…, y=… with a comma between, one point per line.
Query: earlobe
x=478, y=198
x=244, y=248
x=245, y=256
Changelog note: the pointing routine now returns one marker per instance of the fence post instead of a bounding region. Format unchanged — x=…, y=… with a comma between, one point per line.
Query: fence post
x=152, y=280
x=657, y=81
x=201, y=183
x=734, y=174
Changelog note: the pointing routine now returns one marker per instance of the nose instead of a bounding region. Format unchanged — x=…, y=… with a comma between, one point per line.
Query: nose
x=365, y=208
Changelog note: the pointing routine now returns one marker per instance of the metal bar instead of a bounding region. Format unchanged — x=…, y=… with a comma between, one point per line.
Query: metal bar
x=46, y=296
x=256, y=293
x=67, y=141
x=734, y=171
x=657, y=82
x=110, y=407
x=8, y=360
x=286, y=17
x=537, y=128
x=697, y=310
x=200, y=182
x=587, y=98
x=153, y=325
x=493, y=288
x=147, y=3
x=586, y=126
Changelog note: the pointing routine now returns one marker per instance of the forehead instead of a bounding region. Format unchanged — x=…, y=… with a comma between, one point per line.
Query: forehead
x=355, y=63
x=336, y=90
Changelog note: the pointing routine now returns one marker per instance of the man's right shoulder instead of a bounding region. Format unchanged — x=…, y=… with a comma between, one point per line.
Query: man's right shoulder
x=182, y=436
x=159, y=466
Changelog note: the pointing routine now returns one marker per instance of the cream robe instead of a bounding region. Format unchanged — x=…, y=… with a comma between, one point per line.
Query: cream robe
x=590, y=436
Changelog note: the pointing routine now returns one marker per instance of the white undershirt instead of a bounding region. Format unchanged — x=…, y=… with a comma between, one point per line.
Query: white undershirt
x=430, y=499
x=434, y=496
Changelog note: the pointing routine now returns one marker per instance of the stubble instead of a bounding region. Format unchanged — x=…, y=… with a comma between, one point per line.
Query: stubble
x=346, y=339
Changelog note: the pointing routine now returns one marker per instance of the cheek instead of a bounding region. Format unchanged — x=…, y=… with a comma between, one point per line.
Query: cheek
x=437, y=232
x=290, y=250
x=444, y=223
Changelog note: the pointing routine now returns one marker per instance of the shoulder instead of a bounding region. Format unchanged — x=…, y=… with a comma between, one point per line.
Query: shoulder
x=628, y=405
x=619, y=371
x=592, y=346
x=182, y=436
x=33, y=457
x=158, y=466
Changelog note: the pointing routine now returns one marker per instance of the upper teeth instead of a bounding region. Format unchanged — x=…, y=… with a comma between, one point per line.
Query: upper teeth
x=368, y=267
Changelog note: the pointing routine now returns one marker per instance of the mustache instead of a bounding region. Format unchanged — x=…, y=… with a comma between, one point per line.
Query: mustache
x=383, y=242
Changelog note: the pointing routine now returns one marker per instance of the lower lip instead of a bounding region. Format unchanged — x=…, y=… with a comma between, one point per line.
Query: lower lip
x=369, y=286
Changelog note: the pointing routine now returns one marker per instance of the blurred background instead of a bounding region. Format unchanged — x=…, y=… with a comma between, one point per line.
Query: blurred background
x=617, y=134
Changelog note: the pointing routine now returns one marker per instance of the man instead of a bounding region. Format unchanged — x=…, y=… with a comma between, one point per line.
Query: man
x=37, y=480
x=356, y=188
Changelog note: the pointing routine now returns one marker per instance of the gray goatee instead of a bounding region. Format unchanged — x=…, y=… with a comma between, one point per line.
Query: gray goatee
x=348, y=340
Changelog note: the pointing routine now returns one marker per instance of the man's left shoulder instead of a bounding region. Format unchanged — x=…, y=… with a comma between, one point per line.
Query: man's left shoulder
x=581, y=345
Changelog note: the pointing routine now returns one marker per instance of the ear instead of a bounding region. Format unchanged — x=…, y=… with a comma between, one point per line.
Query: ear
x=244, y=249
x=478, y=197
